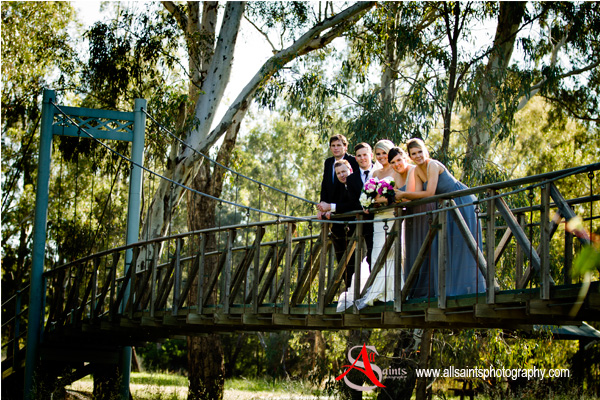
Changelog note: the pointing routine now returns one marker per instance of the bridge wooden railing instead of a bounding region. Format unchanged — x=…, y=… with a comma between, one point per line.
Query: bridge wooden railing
x=282, y=274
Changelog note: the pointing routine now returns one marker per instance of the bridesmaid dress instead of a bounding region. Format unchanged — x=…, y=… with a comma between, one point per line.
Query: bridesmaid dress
x=416, y=229
x=462, y=274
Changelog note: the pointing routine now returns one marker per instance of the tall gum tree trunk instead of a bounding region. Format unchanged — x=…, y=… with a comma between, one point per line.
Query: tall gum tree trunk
x=205, y=353
x=183, y=163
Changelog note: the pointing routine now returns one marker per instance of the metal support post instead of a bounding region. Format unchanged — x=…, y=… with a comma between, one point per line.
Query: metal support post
x=39, y=243
x=133, y=221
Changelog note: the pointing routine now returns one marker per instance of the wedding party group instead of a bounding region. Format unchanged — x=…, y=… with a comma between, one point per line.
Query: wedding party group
x=384, y=175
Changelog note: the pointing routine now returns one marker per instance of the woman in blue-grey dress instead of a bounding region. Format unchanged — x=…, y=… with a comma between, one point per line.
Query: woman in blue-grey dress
x=462, y=275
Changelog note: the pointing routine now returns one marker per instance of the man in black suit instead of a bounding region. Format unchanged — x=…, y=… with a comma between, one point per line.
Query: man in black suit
x=338, y=145
x=345, y=199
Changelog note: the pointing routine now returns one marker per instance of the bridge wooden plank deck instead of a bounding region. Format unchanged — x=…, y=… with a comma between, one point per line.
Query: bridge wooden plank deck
x=515, y=309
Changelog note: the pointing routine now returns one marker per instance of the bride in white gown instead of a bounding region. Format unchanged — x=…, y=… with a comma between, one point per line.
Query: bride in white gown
x=382, y=288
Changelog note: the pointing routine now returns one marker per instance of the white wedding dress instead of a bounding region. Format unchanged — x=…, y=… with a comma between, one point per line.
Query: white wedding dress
x=382, y=288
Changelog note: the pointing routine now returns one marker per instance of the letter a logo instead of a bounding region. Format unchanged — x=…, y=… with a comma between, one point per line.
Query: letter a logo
x=363, y=366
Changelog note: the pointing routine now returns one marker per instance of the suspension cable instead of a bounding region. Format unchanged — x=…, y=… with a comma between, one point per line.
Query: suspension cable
x=133, y=163
x=163, y=128
x=278, y=215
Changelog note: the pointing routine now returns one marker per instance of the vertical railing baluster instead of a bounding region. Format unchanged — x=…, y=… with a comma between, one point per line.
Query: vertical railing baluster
x=113, y=284
x=398, y=262
x=44, y=319
x=520, y=255
x=332, y=262
x=287, y=269
x=358, y=256
x=442, y=256
x=94, y=293
x=256, y=276
x=177, y=277
x=545, y=242
x=322, y=269
x=301, y=258
x=17, y=331
x=568, y=257
x=132, y=295
x=490, y=244
x=153, y=283
x=200, y=277
x=227, y=271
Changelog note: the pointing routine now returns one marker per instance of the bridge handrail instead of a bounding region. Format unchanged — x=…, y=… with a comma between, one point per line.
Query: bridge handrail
x=96, y=289
x=544, y=178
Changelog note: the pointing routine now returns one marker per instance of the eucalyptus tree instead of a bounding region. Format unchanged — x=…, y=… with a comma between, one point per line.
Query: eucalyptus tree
x=484, y=59
x=129, y=58
x=210, y=57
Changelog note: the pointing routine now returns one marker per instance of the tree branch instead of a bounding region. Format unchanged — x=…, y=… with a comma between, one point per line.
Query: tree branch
x=533, y=90
x=307, y=42
x=178, y=13
x=571, y=111
x=217, y=77
x=262, y=33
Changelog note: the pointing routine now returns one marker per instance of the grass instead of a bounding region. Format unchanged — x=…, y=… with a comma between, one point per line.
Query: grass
x=277, y=389
x=143, y=386
x=157, y=386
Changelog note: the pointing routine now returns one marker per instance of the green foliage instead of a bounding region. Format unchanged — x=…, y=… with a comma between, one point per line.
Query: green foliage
x=384, y=120
x=285, y=154
x=37, y=52
x=288, y=17
x=130, y=56
x=170, y=355
x=501, y=349
x=309, y=89
x=587, y=261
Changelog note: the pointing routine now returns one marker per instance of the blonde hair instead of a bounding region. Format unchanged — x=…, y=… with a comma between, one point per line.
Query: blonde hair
x=385, y=145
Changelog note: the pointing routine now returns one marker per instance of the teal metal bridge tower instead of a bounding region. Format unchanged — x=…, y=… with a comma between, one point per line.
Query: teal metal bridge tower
x=97, y=124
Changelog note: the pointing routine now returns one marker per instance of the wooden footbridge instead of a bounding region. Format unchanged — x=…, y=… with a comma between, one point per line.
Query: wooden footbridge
x=293, y=282
x=281, y=275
